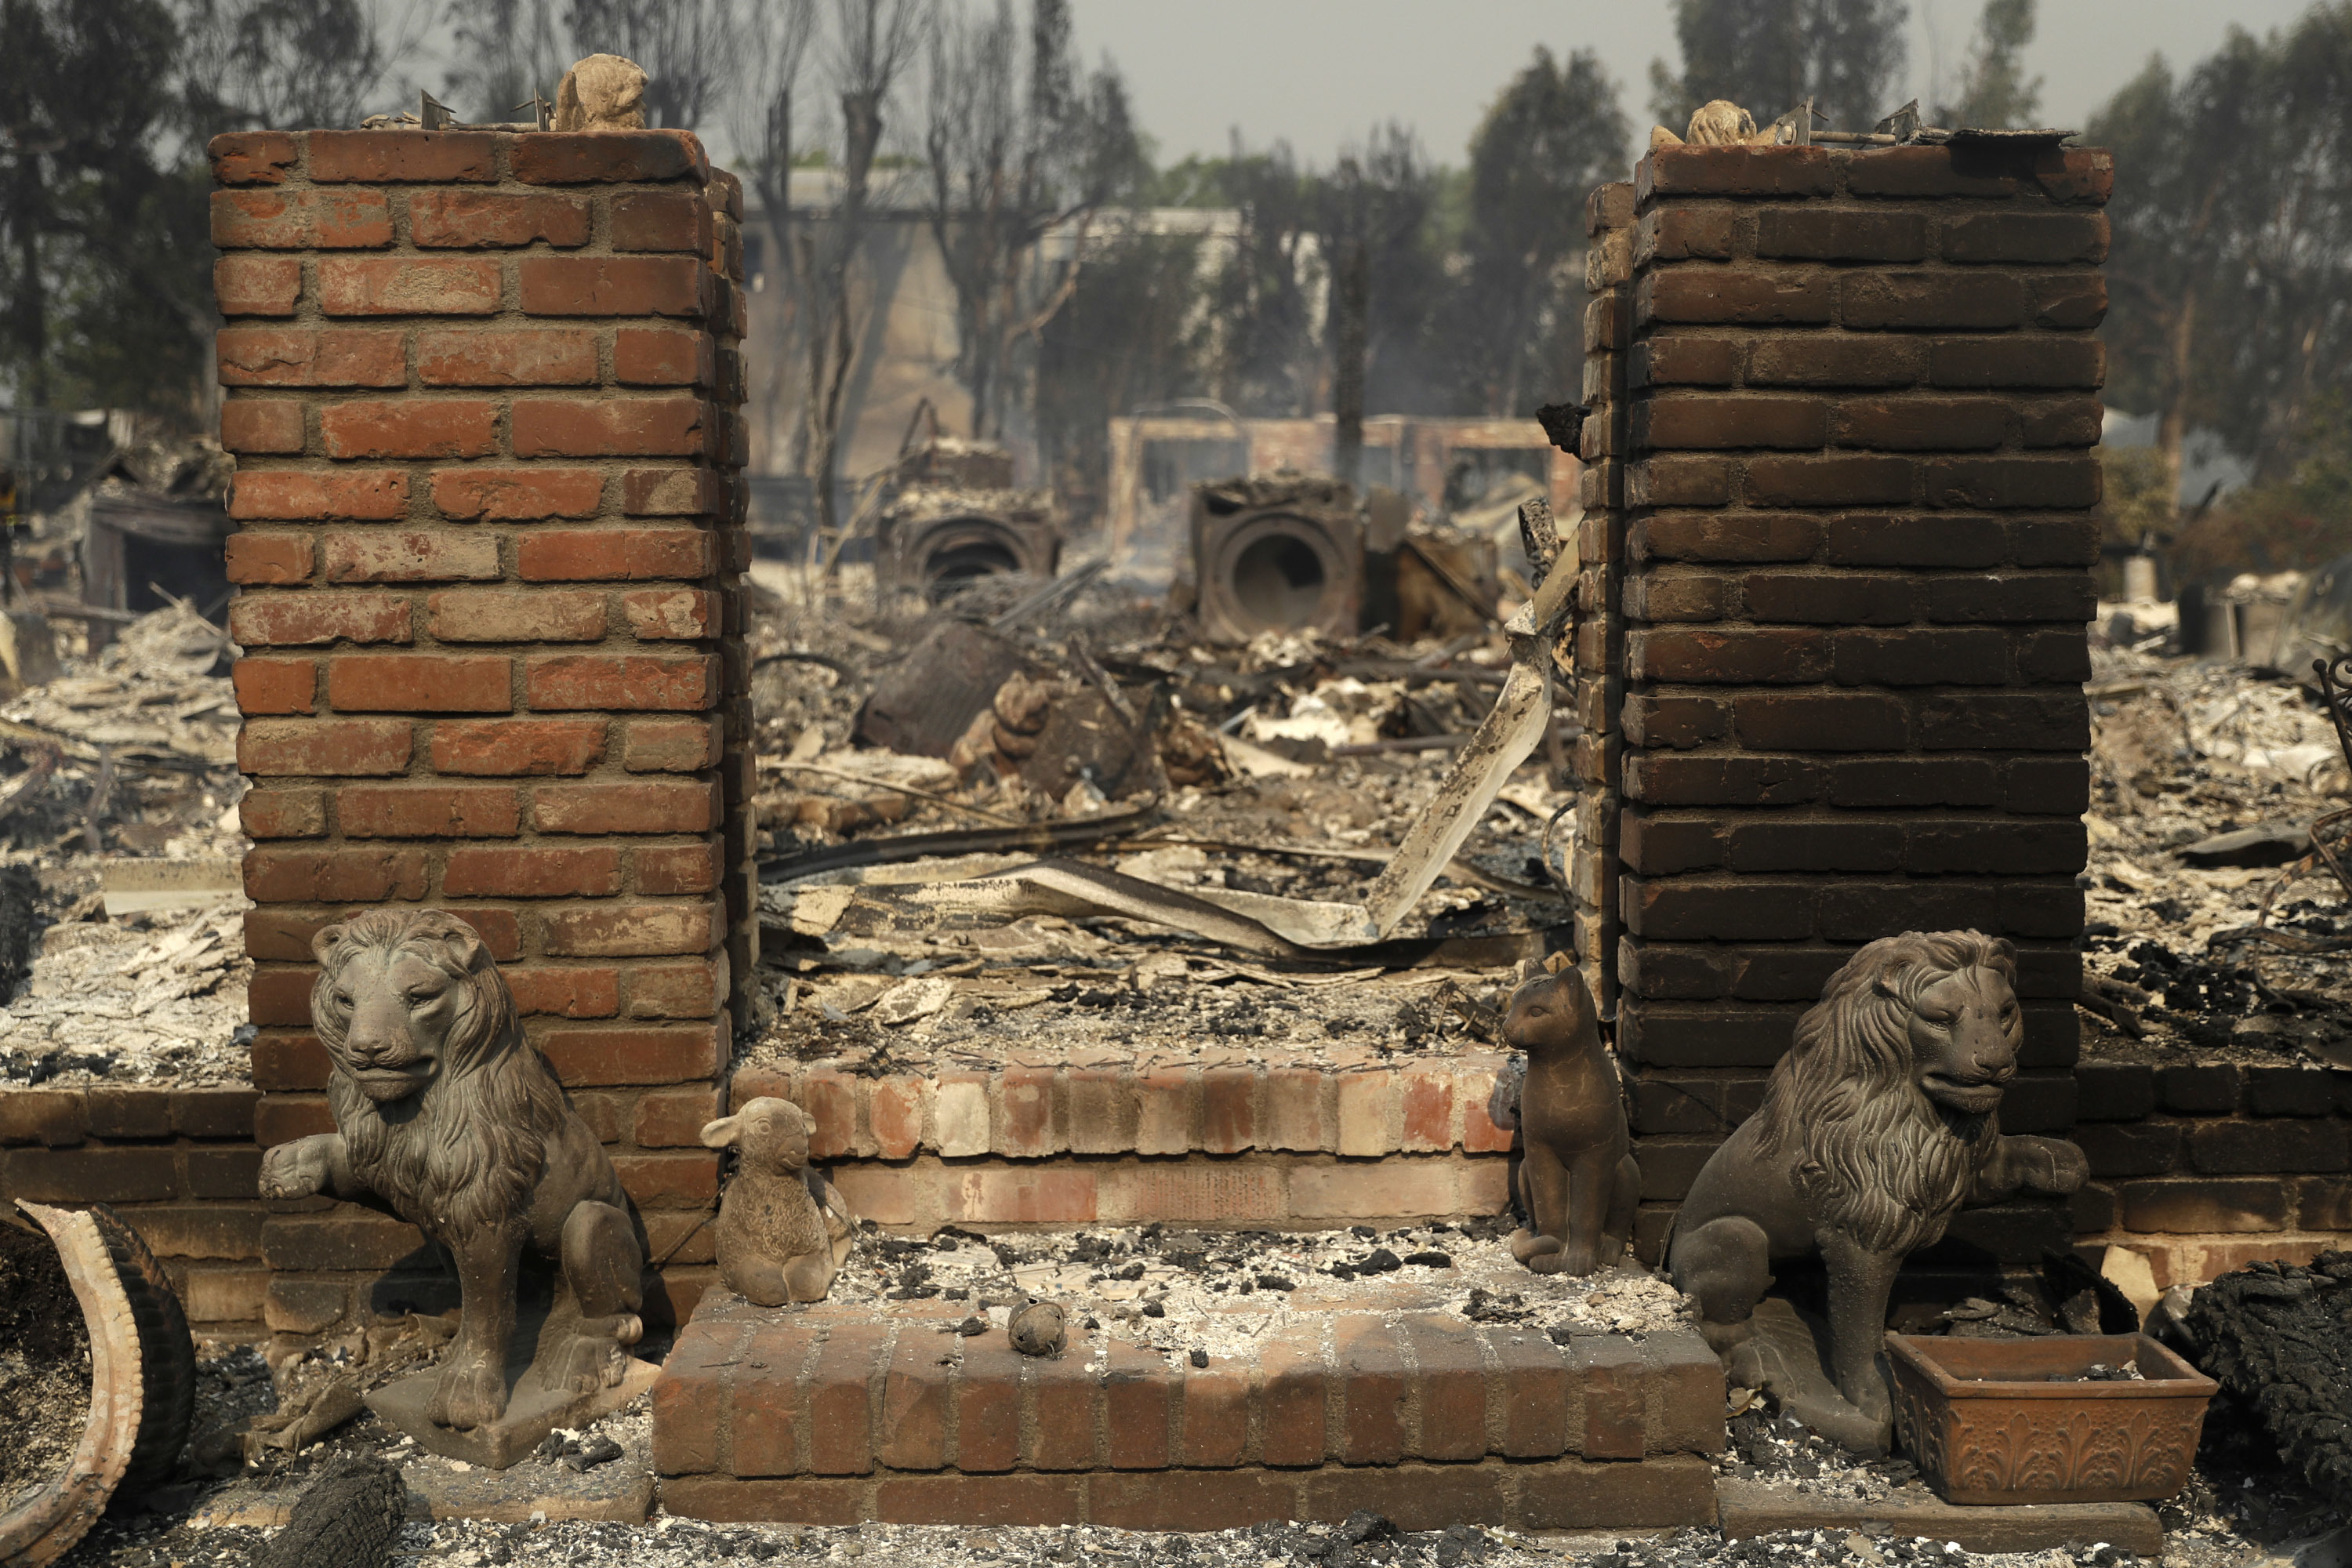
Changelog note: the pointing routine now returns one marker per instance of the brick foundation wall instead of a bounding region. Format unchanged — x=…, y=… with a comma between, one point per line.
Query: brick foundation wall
x=1851, y=400
x=2206, y=1168
x=483, y=389
x=179, y=1164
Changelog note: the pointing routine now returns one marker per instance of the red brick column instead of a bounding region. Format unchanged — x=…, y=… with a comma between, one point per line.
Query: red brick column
x=1862, y=394
x=483, y=389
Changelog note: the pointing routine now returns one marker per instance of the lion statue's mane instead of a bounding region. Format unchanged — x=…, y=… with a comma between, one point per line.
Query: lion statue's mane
x=1875, y=1157
x=469, y=1148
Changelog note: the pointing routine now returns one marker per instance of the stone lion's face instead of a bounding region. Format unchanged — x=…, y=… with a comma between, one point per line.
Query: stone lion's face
x=398, y=1011
x=1964, y=1032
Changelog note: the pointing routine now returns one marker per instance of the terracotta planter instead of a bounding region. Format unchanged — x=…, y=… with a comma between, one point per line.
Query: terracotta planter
x=1984, y=1425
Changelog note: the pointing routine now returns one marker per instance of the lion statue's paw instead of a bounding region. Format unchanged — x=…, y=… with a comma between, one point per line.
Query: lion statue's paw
x=295, y=1170
x=473, y=1393
x=591, y=1361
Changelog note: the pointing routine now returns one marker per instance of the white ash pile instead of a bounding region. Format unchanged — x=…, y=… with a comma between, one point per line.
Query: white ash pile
x=2206, y=779
x=159, y=1000
x=1045, y=990
x=121, y=773
x=161, y=690
x=1216, y=1294
x=1781, y=1451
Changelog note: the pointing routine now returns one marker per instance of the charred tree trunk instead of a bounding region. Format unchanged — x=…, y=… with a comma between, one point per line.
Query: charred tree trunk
x=1351, y=310
x=861, y=119
x=2172, y=428
x=2272, y=1336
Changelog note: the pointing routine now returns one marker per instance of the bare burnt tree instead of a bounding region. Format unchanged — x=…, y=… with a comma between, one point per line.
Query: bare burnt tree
x=275, y=63
x=873, y=41
x=776, y=41
x=1013, y=162
x=689, y=48
x=1263, y=351
x=1349, y=307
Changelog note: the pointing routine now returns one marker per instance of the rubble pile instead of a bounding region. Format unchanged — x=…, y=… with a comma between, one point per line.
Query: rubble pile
x=127, y=759
x=140, y=1000
x=1286, y=769
x=2205, y=779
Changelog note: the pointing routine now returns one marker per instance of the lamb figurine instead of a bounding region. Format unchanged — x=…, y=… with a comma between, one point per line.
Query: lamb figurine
x=784, y=1230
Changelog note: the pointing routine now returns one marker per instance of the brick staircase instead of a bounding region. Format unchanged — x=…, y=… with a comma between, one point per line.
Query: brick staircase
x=1360, y=1396
x=835, y=1414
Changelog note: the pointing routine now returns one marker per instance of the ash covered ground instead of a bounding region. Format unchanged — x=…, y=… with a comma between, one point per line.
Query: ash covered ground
x=2185, y=751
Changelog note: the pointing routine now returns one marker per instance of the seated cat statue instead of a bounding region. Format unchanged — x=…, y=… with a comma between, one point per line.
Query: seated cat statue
x=1577, y=1179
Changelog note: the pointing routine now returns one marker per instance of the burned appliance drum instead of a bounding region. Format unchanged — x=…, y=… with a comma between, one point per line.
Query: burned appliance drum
x=937, y=556
x=1277, y=569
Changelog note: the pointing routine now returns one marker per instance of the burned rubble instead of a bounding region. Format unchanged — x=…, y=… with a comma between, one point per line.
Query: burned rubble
x=1300, y=811
x=993, y=860
x=2222, y=953
x=127, y=760
x=1308, y=755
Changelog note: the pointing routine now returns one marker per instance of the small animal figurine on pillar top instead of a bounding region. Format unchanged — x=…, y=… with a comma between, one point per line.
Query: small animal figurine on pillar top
x=784, y=1230
x=1578, y=1180
x=1880, y=1123
x=603, y=92
x=445, y=1117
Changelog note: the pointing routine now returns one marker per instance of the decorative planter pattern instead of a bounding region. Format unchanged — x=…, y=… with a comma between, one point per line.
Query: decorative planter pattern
x=1985, y=1424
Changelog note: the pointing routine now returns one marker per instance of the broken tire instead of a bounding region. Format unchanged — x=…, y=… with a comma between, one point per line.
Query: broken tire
x=2273, y=1337
x=350, y=1517
x=167, y=1363
x=142, y=1383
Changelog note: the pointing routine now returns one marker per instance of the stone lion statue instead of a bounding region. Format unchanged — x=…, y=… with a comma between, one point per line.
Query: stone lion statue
x=1881, y=1121
x=448, y=1118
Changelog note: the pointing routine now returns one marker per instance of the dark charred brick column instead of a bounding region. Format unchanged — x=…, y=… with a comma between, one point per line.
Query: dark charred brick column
x=1599, y=646
x=484, y=389
x=1863, y=391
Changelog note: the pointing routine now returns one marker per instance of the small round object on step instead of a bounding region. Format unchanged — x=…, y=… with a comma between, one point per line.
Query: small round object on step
x=1037, y=1329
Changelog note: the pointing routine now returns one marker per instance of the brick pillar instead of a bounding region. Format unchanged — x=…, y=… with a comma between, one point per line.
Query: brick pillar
x=1599, y=645
x=483, y=389
x=1858, y=491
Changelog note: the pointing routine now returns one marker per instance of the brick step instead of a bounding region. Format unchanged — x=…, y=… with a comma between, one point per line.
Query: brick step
x=1209, y=1143
x=1434, y=1105
x=836, y=1412
x=1283, y=1192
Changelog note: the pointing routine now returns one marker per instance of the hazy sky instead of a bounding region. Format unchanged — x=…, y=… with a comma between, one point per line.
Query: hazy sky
x=1199, y=68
